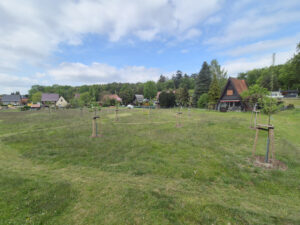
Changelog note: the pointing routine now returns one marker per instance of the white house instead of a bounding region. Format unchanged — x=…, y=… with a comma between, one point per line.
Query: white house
x=61, y=102
x=275, y=94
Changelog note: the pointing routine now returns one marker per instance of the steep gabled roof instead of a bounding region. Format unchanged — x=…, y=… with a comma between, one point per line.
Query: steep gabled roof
x=240, y=85
x=11, y=98
x=139, y=98
x=50, y=97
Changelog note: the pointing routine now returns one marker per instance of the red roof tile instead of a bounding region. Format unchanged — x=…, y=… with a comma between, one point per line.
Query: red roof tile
x=240, y=85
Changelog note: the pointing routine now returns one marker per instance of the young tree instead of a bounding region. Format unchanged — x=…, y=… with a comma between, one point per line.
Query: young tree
x=254, y=95
x=214, y=92
x=183, y=96
x=150, y=89
x=202, y=82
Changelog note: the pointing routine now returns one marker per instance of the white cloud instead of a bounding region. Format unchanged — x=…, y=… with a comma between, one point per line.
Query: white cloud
x=257, y=22
x=213, y=20
x=266, y=45
x=244, y=64
x=11, y=83
x=33, y=30
x=78, y=73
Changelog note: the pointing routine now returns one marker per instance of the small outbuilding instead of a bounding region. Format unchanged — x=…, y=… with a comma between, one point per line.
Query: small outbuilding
x=61, y=102
x=231, y=99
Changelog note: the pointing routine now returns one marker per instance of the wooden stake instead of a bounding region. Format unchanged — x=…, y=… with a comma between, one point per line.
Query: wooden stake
x=255, y=142
x=272, y=144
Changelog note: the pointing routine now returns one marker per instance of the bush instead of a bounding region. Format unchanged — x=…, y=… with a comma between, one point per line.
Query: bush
x=167, y=100
x=290, y=106
x=203, y=101
x=25, y=108
x=109, y=102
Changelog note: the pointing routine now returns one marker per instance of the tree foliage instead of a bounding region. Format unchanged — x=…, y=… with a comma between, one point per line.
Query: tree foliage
x=214, y=92
x=202, y=82
x=254, y=95
x=182, y=96
x=220, y=74
x=127, y=95
x=167, y=99
x=203, y=101
x=150, y=89
x=36, y=97
x=285, y=76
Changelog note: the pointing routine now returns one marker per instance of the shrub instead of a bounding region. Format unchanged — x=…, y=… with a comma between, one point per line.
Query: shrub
x=290, y=106
x=203, y=101
x=166, y=99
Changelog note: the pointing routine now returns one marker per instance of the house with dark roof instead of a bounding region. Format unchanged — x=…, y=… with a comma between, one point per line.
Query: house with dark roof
x=11, y=100
x=231, y=99
x=49, y=98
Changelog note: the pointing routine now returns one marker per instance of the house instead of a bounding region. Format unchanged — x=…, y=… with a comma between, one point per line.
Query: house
x=49, y=98
x=290, y=93
x=61, y=102
x=275, y=94
x=231, y=95
x=24, y=99
x=138, y=99
x=11, y=100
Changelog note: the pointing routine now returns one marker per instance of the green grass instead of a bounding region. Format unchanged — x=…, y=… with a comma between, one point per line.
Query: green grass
x=294, y=101
x=144, y=170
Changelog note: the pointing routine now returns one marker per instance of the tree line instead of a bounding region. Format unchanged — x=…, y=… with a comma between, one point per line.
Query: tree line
x=201, y=89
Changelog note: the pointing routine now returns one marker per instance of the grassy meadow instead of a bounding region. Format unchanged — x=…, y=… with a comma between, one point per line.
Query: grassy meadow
x=145, y=170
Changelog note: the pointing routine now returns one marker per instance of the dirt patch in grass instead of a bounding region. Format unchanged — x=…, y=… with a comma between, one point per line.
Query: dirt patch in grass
x=273, y=164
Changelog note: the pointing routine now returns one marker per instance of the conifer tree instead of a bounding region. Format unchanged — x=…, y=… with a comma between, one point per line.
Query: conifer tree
x=214, y=92
x=202, y=82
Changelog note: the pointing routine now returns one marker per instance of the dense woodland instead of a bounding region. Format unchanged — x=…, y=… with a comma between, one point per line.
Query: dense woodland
x=198, y=89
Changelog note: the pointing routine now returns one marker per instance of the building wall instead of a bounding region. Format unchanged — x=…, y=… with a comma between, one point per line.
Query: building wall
x=61, y=102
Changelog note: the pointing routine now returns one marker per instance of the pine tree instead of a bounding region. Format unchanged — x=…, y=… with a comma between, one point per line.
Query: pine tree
x=214, y=92
x=202, y=82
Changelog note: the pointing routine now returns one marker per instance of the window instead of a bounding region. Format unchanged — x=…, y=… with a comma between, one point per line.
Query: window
x=229, y=92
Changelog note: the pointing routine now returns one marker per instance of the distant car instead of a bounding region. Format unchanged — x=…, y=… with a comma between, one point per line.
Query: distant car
x=130, y=106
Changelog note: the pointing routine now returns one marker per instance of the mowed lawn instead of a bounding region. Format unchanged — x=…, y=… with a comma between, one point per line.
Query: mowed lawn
x=144, y=170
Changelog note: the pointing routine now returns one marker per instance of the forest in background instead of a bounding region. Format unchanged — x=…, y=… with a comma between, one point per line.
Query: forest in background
x=204, y=86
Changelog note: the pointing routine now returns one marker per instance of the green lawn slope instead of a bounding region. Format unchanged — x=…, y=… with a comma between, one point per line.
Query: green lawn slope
x=144, y=170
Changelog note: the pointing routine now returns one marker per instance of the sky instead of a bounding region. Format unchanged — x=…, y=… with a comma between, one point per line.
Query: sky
x=75, y=42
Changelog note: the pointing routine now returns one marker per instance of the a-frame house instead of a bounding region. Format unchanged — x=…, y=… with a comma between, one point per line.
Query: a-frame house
x=231, y=99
